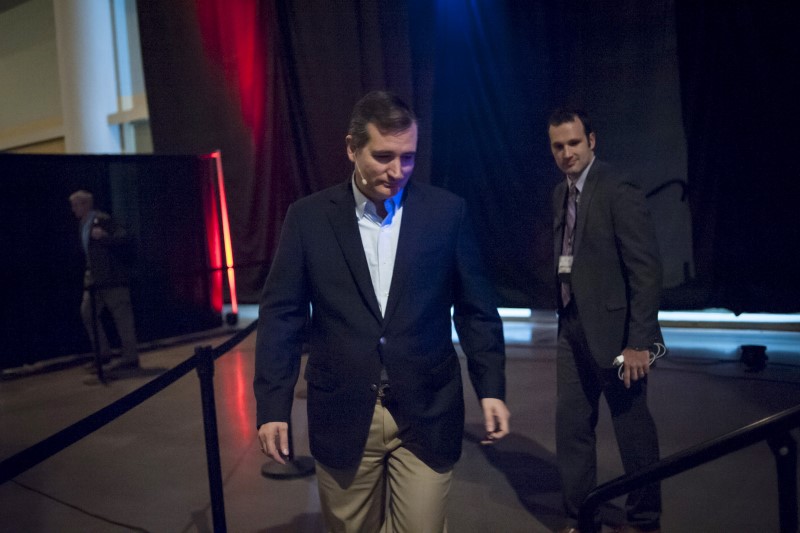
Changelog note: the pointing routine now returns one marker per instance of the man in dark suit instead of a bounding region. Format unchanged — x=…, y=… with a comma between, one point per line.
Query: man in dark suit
x=106, y=279
x=380, y=260
x=608, y=277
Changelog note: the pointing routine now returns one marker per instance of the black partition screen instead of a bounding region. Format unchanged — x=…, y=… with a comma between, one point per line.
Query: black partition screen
x=167, y=203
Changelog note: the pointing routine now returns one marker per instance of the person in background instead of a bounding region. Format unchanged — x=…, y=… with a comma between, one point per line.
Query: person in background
x=608, y=281
x=106, y=280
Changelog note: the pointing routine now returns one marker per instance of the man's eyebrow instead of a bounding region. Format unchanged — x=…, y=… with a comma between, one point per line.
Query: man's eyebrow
x=390, y=152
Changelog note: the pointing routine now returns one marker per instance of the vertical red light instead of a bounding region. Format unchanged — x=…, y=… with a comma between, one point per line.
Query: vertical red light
x=226, y=233
x=218, y=235
x=211, y=209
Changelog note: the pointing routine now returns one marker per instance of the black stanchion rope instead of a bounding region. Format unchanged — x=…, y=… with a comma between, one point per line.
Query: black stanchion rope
x=35, y=454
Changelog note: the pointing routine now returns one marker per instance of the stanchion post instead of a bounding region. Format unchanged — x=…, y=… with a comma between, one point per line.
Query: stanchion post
x=98, y=361
x=205, y=371
x=586, y=519
x=784, y=447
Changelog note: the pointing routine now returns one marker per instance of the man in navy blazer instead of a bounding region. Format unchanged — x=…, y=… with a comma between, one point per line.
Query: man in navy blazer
x=381, y=261
x=608, y=278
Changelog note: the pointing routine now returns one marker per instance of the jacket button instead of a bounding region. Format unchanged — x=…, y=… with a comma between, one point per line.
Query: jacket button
x=373, y=387
x=382, y=341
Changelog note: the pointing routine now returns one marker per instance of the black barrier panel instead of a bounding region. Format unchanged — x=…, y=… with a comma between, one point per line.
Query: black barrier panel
x=163, y=201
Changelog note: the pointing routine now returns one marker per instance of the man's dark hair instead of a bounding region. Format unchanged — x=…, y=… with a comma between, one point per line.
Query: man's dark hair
x=383, y=109
x=569, y=114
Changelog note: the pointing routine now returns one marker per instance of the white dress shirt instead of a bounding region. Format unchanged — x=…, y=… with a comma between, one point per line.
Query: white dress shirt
x=379, y=237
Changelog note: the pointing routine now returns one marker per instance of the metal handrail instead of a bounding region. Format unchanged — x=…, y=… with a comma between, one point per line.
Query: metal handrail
x=774, y=429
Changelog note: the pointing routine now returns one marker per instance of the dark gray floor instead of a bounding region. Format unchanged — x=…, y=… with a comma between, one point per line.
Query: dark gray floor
x=146, y=471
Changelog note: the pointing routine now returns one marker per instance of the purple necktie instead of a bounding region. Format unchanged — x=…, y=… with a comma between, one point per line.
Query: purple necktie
x=569, y=232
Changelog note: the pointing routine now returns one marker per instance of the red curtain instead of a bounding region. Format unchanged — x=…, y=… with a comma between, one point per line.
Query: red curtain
x=234, y=38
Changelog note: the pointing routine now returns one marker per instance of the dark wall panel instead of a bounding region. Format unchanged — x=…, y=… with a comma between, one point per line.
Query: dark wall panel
x=159, y=199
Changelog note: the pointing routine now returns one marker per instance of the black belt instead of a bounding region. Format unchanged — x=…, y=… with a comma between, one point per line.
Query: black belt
x=383, y=390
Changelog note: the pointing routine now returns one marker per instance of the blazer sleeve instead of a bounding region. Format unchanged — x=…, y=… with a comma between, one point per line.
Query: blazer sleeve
x=636, y=238
x=475, y=316
x=283, y=313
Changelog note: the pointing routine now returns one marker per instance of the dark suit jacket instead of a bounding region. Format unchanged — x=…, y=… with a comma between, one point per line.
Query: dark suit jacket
x=616, y=269
x=109, y=260
x=320, y=260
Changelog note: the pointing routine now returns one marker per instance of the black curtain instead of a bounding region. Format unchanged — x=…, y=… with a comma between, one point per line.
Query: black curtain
x=322, y=57
x=483, y=76
x=739, y=96
x=500, y=68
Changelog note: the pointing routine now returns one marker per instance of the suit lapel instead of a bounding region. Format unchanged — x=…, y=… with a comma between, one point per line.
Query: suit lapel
x=584, y=201
x=345, y=226
x=559, y=197
x=414, y=206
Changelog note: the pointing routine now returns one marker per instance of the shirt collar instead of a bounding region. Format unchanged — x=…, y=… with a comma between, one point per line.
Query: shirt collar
x=364, y=204
x=582, y=177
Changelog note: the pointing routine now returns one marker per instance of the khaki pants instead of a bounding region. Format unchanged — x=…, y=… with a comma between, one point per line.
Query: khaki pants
x=391, y=491
x=118, y=302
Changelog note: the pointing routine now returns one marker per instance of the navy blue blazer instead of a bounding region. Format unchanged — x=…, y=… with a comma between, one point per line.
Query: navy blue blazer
x=320, y=261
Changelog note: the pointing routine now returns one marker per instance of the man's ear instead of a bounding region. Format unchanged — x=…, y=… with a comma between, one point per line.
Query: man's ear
x=591, y=141
x=351, y=153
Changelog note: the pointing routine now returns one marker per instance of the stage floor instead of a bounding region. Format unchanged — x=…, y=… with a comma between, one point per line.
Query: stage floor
x=146, y=471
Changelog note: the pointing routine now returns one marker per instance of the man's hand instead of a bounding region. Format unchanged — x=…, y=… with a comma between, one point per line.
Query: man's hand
x=495, y=418
x=636, y=365
x=273, y=435
x=98, y=233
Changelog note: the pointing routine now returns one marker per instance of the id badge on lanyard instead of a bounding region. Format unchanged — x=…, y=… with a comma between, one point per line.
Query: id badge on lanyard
x=564, y=268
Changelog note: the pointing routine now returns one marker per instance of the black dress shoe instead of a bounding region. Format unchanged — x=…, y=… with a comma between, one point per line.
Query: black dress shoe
x=569, y=530
x=123, y=365
x=91, y=366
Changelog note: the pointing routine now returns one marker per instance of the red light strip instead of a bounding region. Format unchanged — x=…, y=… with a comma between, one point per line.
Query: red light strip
x=226, y=233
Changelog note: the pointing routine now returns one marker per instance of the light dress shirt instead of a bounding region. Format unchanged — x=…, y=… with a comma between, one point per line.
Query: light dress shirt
x=86, y=229
x=579, y=187
x=379, y=237
x=582, y=178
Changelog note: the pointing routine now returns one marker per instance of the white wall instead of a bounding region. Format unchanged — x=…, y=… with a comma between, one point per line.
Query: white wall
x=33, y=116
x=30, y=101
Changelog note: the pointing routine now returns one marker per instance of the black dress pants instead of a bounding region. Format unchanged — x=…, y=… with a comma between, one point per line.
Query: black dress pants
x=580, y=382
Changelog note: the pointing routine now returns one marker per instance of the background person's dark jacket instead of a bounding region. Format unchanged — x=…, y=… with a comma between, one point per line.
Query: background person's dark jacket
x=110, y=258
